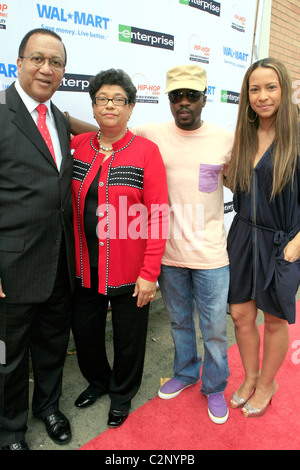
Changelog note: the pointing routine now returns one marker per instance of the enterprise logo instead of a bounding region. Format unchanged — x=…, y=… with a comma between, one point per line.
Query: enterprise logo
x=214, y=8
x=230, y=97
x=145, y=38
x=75, y=82
x=228, y=207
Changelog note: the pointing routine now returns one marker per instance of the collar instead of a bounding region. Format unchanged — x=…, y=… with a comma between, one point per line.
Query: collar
x=117, y=146
x=29, y=102
x=187, y=133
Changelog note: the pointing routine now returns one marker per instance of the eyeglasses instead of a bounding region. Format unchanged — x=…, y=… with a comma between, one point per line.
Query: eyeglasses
x=117, y=101
x=38, y=61
x=193, y=96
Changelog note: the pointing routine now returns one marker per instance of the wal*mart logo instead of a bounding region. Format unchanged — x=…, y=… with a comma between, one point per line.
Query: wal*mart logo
x=214, y=8
x=230, y=97
x=144, y=37
x=75, y=17
x=234, y=54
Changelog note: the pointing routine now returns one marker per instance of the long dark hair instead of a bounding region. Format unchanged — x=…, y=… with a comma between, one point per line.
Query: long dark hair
x=285, y=149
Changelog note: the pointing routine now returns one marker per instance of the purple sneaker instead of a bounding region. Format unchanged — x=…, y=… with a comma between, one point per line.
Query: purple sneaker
x=217, y=408
x=171, y=389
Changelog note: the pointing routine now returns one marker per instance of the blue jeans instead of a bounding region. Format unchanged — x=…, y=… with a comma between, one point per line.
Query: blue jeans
x=180, y=287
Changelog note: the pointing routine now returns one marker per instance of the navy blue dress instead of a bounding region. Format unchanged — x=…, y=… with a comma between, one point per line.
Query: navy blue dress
x=257, y=237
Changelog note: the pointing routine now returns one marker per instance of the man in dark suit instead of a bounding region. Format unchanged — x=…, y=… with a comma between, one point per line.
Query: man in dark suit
x=36, y=242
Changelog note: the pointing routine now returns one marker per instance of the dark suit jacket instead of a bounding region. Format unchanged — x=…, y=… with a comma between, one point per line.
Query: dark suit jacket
x=35, y=203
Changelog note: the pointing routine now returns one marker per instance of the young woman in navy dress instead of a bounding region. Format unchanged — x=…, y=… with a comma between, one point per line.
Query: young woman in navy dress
x=264, y=239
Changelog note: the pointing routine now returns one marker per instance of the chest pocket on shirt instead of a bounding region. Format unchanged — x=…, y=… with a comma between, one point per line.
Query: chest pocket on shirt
x=209, y=177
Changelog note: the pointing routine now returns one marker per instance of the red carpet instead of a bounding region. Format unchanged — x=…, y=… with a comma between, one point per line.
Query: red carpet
x=183, y=423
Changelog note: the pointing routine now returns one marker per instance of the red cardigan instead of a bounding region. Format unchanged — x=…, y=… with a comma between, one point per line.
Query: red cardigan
x=132, y=211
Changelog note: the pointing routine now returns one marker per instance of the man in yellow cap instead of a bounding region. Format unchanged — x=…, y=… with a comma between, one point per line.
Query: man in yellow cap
x=195, y=262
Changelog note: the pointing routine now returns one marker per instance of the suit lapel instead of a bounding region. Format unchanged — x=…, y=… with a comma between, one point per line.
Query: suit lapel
x=23, y=120
x=61, y=130
x=64, y=138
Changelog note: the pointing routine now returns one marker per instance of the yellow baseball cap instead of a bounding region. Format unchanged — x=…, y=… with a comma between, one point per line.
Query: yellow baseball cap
x=191, y=77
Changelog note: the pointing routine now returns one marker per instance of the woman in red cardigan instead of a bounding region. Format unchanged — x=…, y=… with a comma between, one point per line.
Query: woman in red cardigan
x=120, y=204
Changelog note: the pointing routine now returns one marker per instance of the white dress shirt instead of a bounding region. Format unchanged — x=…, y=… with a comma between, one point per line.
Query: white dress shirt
x=31, y=105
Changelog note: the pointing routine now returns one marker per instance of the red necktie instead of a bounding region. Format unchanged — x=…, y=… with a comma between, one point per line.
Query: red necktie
x=42, y=127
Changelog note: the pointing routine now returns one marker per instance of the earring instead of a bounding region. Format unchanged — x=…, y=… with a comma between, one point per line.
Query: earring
x=247, y=112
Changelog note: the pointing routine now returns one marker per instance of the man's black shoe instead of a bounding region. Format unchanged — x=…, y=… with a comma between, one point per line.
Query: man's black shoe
x=22, y=445
x=86, y=398
x=116, y=418
x=58, y=428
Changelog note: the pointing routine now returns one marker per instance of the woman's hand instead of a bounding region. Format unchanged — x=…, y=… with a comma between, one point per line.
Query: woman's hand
x=292, y=249
x=225, y=174
x=145, y=291
x=2, y=295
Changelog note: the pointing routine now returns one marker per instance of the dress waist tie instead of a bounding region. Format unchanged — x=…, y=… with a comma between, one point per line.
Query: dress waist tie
x=280, y=240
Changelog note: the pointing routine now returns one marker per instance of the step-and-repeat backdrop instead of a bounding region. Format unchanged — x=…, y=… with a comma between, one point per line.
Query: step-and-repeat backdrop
x=145, y=38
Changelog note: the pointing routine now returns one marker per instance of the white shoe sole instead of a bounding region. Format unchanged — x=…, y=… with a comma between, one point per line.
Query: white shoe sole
x=216, y=419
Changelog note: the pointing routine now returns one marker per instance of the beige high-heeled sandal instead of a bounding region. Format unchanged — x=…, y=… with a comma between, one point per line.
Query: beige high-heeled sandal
x=238, y=402
x=251, y=412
